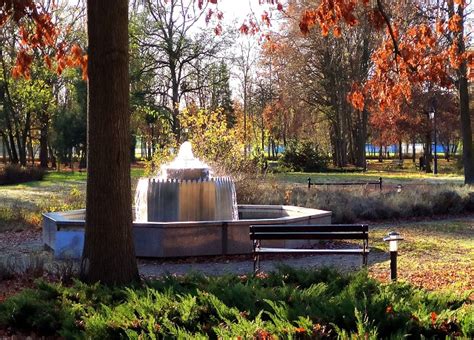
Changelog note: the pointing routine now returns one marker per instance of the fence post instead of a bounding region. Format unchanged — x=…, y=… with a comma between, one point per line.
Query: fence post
x=309, y=182
x=380, y=183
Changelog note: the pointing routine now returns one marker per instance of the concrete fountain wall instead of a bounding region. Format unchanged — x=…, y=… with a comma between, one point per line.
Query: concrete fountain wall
x=63, y=232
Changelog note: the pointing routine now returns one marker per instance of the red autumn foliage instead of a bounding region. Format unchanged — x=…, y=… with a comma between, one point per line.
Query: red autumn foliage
x=43, y=34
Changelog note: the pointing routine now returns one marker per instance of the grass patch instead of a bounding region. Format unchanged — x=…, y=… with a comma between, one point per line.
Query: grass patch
x=23, y=208
x=285, y=304
x=366, y=203
x=434, y=254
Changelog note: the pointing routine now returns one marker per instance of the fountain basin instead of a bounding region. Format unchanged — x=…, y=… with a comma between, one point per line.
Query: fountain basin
x=63, y=232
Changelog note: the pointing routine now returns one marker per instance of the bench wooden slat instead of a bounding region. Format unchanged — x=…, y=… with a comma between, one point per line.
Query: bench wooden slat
x=309, y=236
x=320, y=251
x=308, y=228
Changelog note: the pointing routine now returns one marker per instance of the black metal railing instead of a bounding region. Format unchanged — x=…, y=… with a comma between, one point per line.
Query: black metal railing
x=378, y=183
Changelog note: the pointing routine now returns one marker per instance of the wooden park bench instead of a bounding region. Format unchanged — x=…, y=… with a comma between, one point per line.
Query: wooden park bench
x=259, y=233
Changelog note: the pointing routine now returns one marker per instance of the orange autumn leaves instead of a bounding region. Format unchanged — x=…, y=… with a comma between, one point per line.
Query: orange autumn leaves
x=329, y=14
x=39, y=33
x=403, y=61
x=421, y=60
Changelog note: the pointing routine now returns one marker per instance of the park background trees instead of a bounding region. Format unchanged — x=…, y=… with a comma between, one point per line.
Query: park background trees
x=297, y=89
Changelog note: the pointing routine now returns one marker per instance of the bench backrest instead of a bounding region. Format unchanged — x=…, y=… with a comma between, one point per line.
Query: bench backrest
x=310, y=232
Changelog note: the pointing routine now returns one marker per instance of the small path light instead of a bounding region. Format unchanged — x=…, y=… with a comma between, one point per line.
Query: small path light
x=392, y=238
x=399, y=188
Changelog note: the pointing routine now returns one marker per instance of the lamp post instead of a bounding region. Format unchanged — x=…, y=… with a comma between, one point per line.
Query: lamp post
x=392, y=238
x=433, y=117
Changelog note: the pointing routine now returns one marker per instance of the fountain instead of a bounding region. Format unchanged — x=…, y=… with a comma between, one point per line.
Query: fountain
x=185, y=190
x=184, y=211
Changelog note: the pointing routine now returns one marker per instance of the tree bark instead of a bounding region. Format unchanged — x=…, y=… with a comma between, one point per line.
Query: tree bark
x=400, y=151
x=43, y=155
x=133, y=145
x=428, y=153
x=463, y=86
x=109, y=254
x=4, y=150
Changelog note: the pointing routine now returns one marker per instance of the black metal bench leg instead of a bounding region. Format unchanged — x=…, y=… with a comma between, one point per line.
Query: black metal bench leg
x=365, y=254
x=256, y=257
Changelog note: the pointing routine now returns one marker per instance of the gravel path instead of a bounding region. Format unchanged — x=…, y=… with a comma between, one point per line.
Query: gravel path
x=24, y=247
x=342, y=263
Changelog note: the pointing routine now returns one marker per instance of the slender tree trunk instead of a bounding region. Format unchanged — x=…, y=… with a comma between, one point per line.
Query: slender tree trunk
x=245, y=119
x=133, y=146
x=269, y=147
x=44, y=140
x=400, y=151
x=109, y=254
x=21, y=142
x=4, y=150
x=175, y=98
x=466, y=129
x=463, y=87
x=30, y=150
x=361, y=138
x=413, y=156
x=6, y=111
x=52, y=157
x=428, y=153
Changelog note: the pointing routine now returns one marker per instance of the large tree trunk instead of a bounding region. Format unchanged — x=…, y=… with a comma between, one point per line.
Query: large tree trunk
x=109, y=255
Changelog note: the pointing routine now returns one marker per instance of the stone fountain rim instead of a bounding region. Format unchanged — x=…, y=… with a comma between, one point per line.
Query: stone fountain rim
x=307, y=213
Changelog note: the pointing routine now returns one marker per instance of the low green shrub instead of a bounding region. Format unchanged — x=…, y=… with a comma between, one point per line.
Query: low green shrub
x=13, y=174
x=286, y=304
x=304, y=156
x=349, y=204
